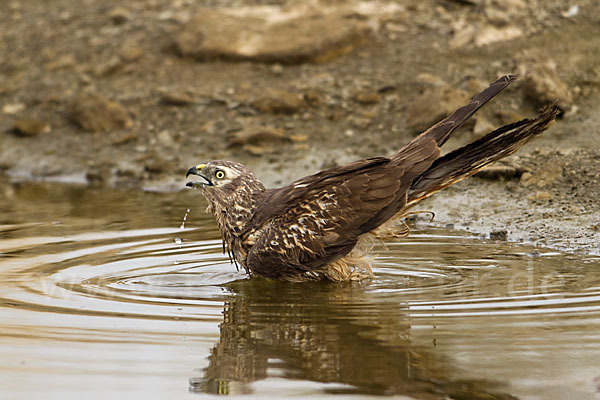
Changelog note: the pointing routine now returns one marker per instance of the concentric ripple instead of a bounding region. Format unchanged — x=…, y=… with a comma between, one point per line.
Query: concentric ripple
x=107, y=287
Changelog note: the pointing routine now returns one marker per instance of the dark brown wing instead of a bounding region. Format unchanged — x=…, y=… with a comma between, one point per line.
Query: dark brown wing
x=318, y=219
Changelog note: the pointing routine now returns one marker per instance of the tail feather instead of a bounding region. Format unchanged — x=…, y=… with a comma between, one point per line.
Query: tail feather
x=467, y=160
x=441, y=131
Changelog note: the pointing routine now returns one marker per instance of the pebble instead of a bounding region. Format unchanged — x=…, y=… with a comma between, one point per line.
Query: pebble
x=540, y=196
x=367, y=98
x=30, y=126
x=544, y=86
x=119, y=15
x=491, y=34
x=176, y=99
x=256, y=135
x=482, y=126
x=279, y=101
x=13, y=108
x=499, y=235
x=95, y=113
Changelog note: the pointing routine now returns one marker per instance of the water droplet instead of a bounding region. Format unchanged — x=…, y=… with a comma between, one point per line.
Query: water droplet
x=178, y=241
x=182, y=226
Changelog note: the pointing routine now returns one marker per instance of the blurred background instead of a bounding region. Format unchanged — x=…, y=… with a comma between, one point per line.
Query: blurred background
x=132, y=93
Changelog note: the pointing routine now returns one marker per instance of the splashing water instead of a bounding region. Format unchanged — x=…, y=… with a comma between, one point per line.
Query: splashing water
x=182, y=226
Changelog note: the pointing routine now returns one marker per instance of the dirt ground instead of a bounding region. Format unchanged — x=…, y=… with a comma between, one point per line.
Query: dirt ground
x=133, y=93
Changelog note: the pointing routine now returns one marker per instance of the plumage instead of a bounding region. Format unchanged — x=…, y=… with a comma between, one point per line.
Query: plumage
x=317, y=226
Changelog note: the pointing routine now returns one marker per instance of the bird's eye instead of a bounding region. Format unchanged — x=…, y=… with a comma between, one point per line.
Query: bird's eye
x=220, y=174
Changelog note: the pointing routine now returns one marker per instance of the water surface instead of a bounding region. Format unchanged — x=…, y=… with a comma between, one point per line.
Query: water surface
x=102, y=292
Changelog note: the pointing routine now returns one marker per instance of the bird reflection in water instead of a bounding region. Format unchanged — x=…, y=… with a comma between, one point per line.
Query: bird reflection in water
x=328, y=333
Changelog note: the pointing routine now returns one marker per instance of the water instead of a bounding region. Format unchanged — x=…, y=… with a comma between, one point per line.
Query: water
x=102, y=293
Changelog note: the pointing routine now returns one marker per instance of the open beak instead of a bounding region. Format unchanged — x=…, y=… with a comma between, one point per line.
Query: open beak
x=197, y=170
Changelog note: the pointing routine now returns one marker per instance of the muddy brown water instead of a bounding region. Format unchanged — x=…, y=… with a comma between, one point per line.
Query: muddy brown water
x=103, y=293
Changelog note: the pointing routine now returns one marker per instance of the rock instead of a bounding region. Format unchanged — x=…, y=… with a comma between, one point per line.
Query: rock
x=158, y=165
x=433, y=105
x=367, y=98
x=298, y=138
x=176, y=99
x=509, y=116
x=312, y=97
x=463, y=34
x=124, y=138
x=469, y=2
x=430, y=79
x=255, y=150
x=30, y=127
x=482, y=126
x=64, y=61
x=131, y=52
x=497, y=172
x=544, y=177
x=270, y=34
x=95, y=113
x=108, y=67
x=13, y=108
x=540, y=196
x=277, y=69
x=256, y=135
x=497, y=17
x=543, y=85
x=499, y=235
x=119, y=15
x=491, y=34
x=278, y=101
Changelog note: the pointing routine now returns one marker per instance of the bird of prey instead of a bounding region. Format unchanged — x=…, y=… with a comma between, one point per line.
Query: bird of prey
x=317, y=226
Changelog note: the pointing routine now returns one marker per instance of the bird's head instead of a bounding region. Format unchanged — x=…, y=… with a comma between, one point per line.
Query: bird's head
x=221, y=176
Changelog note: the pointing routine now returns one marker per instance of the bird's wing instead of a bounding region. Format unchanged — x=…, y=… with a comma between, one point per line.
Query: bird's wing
x=318, y=219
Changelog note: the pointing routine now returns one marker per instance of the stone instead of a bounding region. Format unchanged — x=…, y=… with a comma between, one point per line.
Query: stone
x=119, y=15
x=498, y=172
x=463, y=34
x=313, y=98
x=482, y=126
x=255, y=150
x=544, y=177
x=176, y=99
x=430, y=79
x=158, y=165
x=367, y=98
x=432, y=106
x=271, y=34
x=509, y=116
x=95, y=113
x=501, y=234
x=30, y=127
x=543, y=85
x=64, y=61
x=256, y=135
x=278, y=101
x=540, y=196
x=108, y=67
x=124, y=138
x=491, y=34
x=13, y=108
x=130, y=52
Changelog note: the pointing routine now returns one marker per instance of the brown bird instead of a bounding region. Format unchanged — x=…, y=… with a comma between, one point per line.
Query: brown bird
x=316, y=227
